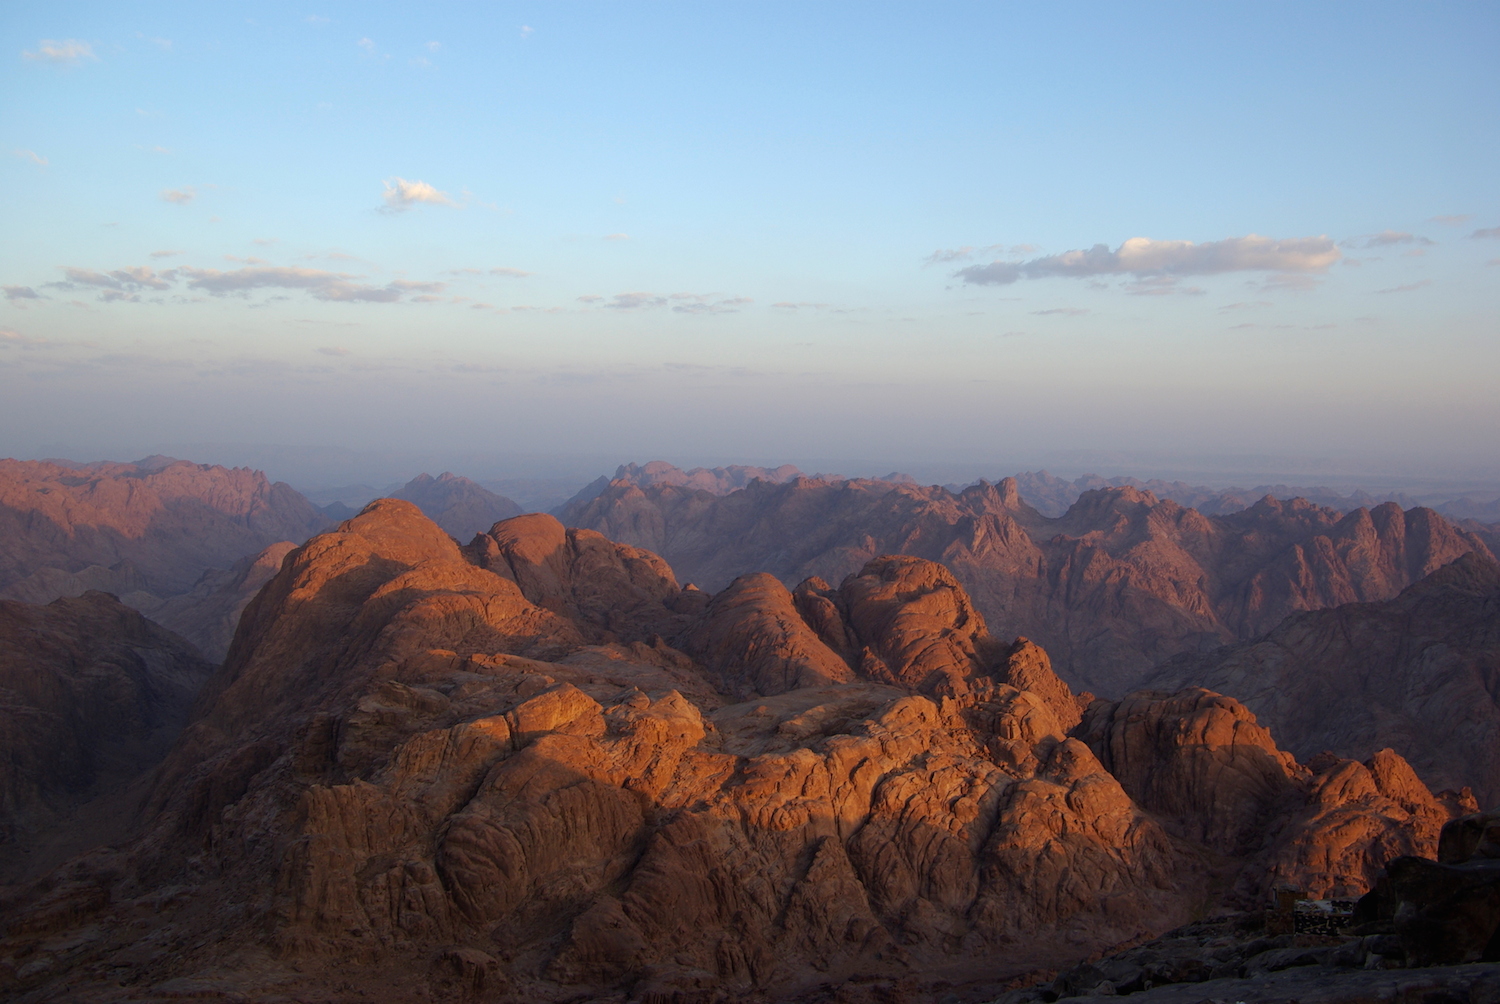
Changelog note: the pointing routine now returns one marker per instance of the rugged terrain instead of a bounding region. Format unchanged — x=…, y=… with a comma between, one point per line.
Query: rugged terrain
x=1121, y=582
x=91, y=694
x=143, y=531
x=460, y=506
x=535, y=768
x=1420, y=673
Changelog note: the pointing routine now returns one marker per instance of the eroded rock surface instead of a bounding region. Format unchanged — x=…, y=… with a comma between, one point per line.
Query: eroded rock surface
x=1121, y=581
x=534, y=768
x=1419, y=673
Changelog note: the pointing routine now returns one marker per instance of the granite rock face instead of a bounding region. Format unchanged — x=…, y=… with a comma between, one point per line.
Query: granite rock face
x=534, y=768
x=91, y=694
x=1419, y=673
x=1120, y=582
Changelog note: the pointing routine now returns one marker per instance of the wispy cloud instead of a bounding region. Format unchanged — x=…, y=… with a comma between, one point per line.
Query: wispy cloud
x=1063, y=311
x=799, y=305
x=1162, y=285
x=32, y=156
x=320, y=284
x=1142, y=256
x=944, y=256
x=617, y=237
x=526, y=31
x=400, y=195
x=511, y=273
x=1288, y=282
x=1246, y=305
x=1452, y=221
x=179, y=196
x=1488, y=232
x=20, y=293
x=682, y=303
x=67, y=50
x=128, y=283
x=1386, y=238
x=164, y=254
x=1406, y=288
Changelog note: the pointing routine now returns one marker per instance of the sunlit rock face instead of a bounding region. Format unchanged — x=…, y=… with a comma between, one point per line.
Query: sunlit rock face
x=535, y=767
x=1118, y=583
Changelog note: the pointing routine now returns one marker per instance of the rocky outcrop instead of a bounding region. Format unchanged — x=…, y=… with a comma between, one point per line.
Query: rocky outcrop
x=460, y=506
x=1121, y=582
x=144, y=531
x=1419, y=673
x=454, y=765
x=91, y=694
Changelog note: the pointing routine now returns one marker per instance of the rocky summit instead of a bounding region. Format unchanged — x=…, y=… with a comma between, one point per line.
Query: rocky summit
x=1121, y=581
x=538, y=768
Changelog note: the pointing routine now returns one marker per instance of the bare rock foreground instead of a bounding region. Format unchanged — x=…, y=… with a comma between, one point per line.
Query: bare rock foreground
x=535, y=768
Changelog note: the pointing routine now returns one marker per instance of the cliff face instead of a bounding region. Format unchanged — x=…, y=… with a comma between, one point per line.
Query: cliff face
x=1120, y=582
x=91, y=694
x=142, y=531
x=1420, y=673
x=534, y=768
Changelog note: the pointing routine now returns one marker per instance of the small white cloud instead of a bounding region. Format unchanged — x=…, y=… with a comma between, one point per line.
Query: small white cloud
x=367, y=45
x=1487, y=233
x=591, y=298
x=67, y=50
x=511, y=273
x=1065, y=311
x=266, y=241
x=617, y=237
x=1452, y=221
x=32, y=156
x=317, y=19
x=525, y=31
x=400, y=195
x=164, y=254
x=434, y=46
x=179, y=196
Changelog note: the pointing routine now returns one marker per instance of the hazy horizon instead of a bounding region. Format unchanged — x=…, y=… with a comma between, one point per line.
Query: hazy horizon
x=856, y=239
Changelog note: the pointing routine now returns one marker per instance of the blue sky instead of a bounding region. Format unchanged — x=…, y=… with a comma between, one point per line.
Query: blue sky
x=753, y=231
